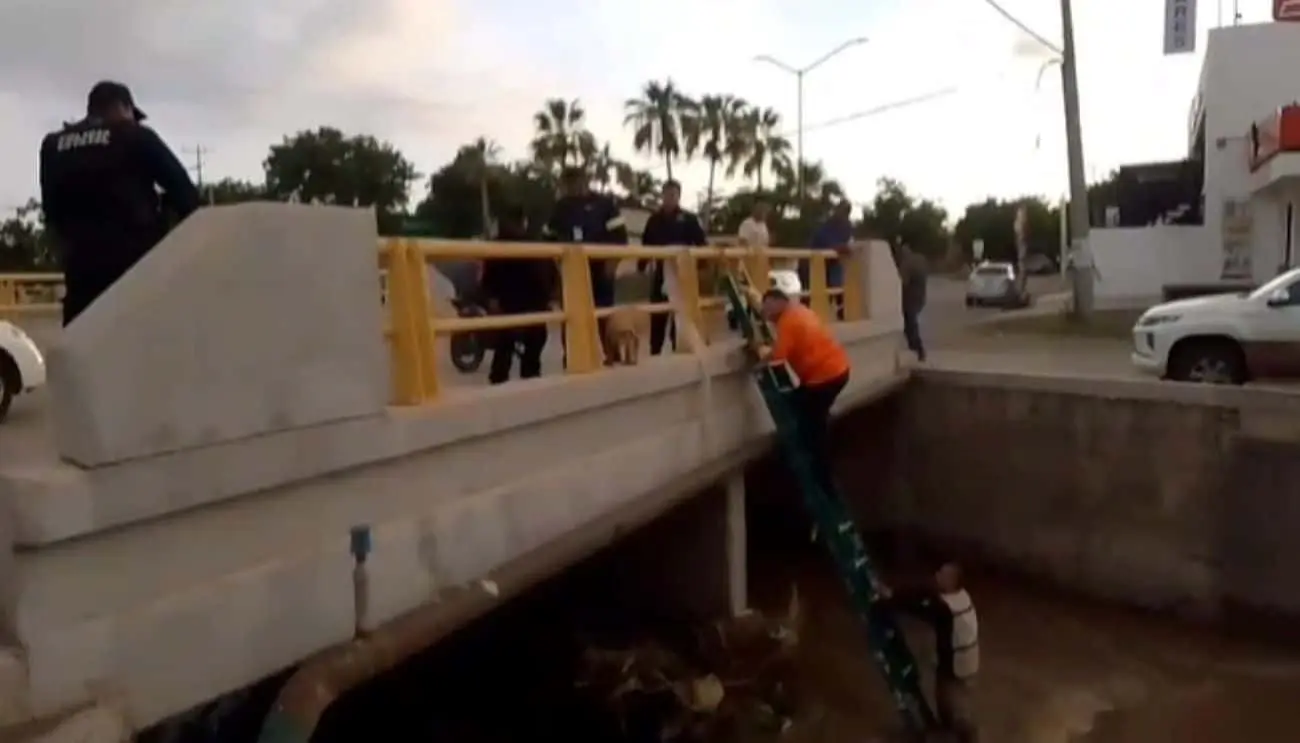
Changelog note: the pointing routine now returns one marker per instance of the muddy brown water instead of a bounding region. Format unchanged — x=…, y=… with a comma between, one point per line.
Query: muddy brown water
x=1056, y=668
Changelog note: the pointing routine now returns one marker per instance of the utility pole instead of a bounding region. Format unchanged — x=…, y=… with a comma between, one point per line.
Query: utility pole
x=799, y=73
x=199, y=151
x=1081, y=278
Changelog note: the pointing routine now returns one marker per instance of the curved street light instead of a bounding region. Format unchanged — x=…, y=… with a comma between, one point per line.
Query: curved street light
x=799, y=73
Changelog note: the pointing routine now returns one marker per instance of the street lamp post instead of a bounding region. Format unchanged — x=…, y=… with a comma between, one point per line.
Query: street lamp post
x=799, y=73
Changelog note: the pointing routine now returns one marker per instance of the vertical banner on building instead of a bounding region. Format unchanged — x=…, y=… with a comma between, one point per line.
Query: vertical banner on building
x=1238, y=241
x=1180, y=26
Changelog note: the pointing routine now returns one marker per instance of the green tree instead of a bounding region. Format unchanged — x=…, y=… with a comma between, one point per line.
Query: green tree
x=993, y=222
x=658, y=119
x=24, y=243
x=898, y=217
x=329, y=167
x=640, y=187
x=231, y=191
x=452, y=206
x=478, y=164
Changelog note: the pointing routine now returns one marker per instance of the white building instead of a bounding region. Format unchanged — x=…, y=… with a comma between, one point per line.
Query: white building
x=1248, y=226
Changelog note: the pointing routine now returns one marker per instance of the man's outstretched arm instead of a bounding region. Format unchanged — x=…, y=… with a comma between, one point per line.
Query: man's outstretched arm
x=165, y=170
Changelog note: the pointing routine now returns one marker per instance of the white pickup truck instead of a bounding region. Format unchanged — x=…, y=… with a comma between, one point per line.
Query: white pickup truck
x=1225, y=338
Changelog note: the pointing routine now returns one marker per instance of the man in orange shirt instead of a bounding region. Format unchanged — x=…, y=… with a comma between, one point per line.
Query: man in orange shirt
x=808, y=347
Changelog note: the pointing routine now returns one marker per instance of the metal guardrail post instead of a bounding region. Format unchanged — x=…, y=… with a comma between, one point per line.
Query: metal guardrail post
x=854, y=269
x=583, y=352
x=405, y=348
x=688, y=283
x=819, y=300
x=417, y=272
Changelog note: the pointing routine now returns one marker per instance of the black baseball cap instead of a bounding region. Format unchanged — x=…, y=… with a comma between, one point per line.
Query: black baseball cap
x=107, y=92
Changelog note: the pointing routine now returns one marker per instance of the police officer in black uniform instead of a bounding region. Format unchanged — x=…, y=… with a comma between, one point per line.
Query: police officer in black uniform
x=515, y=286
x=580, y=216
x=98, y=179
x=669, y=225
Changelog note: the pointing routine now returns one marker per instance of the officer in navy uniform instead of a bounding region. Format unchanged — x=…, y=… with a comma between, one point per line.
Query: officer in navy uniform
x=669, y=225
x=580, y=216
x=99, y=190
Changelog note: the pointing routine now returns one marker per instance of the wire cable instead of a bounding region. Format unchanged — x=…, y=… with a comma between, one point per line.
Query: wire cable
x=1026, y=29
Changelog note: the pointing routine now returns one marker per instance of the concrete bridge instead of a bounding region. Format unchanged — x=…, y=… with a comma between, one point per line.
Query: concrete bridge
x=181, y=517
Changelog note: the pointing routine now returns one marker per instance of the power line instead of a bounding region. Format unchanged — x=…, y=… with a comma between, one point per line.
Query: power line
x=1026, y=29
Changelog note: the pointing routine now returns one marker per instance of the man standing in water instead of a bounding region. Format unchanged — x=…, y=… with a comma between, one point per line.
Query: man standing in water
x=945, y=605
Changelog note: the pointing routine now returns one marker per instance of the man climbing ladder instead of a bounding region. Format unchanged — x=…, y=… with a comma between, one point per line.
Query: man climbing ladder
x=819, y=361
x=801, y=419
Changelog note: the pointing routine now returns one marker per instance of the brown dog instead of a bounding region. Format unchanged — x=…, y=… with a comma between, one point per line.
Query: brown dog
x=624, y=330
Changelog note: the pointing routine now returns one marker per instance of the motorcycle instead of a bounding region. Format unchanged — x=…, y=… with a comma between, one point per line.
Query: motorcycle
x=468, y=348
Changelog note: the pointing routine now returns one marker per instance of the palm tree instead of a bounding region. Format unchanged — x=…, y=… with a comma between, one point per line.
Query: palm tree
x=656, y=118
x=817, y=186
x=560, y=126
x=604, y=168
x=764, y=147
x=482, y=161
x=714, y=127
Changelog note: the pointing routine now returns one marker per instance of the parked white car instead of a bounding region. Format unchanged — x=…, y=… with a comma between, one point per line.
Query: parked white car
x=1225, y=338
x=22, y=367
x=994, y=284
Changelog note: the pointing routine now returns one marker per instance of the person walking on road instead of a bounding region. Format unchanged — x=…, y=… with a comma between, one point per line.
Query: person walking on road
x=669, y=225
x=807, y=346
x=913, y=276
x=99, y=193
x=516, y=286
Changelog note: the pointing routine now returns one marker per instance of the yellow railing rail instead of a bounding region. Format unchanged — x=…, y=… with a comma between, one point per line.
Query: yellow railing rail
x=29, y=293
x=413, y=325
x=415, y=378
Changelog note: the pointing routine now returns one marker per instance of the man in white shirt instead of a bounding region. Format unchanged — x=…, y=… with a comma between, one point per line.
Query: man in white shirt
x=753, y=231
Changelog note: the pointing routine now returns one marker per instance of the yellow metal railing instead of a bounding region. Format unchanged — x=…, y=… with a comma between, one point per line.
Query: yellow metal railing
x=413, y=325
x=29, y=294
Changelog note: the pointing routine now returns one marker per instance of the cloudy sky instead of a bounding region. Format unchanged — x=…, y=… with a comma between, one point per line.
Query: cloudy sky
x=235, y=76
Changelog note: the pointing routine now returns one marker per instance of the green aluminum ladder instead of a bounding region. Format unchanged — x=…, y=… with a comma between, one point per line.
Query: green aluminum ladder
x=833, y=522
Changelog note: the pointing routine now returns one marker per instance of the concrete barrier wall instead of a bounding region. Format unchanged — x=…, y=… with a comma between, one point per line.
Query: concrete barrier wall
x=251, y=585
x=246, y=320
x=1164, y=496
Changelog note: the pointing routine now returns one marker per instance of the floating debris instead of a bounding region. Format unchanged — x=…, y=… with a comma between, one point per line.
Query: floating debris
x=730, y=681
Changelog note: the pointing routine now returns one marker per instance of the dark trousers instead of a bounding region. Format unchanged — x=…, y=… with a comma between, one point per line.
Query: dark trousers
x=953, y=702
x=662, y=326
x=912, y=330
x=812, y=403
x=527, y=342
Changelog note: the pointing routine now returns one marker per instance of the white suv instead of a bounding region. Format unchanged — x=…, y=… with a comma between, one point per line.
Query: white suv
x=1226, y=338
x=22, y=367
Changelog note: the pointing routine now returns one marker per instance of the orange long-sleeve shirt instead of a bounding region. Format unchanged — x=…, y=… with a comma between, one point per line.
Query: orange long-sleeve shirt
x=805, y=343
